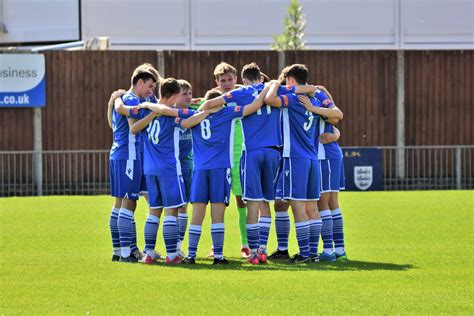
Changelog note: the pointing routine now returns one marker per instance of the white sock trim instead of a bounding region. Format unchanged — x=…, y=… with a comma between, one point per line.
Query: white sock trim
x=195, y=227
x=217, y=225
x=325, y=213
x=127, y=212
x=153, y=218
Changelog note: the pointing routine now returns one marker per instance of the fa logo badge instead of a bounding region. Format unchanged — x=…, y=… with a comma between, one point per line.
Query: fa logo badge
x=363, y=177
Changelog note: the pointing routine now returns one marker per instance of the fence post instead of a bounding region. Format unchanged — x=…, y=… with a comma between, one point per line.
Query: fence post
x=458, y=168
x=160, y=63
x=38, y=149
x=400, y=155
x=281, y=60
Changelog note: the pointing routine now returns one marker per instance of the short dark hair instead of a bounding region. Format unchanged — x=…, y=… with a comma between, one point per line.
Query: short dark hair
x=297, y=71
x=282, y=76
x=169, y=87
x=251, y=72
x=142, y=74
x=265, y=77
x=211, y=94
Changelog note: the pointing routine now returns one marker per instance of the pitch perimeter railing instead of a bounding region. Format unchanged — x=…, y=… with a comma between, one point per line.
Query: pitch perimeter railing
x=429, y=168
x=65, y=172
x=86, y=172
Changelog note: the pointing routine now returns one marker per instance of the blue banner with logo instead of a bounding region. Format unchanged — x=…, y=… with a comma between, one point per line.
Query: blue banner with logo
x=22, y=80
x=363, y=168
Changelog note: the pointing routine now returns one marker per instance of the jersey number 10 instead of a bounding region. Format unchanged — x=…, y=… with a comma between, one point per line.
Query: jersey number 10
x=154, y=131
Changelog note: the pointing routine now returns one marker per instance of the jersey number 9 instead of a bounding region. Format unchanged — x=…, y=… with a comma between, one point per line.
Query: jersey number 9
x=307, y=125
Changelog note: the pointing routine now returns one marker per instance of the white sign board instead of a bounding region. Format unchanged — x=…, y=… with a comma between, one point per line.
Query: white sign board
x=22, y=80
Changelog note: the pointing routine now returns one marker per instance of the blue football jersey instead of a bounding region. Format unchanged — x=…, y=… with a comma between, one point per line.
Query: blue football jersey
x=213, y=139
x=323, y=98
x=142, y=135
x=331, y=150
x=299, y=128
x=327, y=151
x=126, y=145
x=262, y=128
x=161, y=153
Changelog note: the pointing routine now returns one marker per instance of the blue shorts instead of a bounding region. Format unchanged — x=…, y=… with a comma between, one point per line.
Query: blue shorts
x=279, y=186
x=259, y=173
x=211, y=186
x=187, y=177
x=165, y=191
x=300, y=179
x=332, y=175
x=125, y=178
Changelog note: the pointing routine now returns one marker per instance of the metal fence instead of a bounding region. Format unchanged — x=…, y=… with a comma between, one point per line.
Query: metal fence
x=428, y=168
x=87, y=172
x=71, y=172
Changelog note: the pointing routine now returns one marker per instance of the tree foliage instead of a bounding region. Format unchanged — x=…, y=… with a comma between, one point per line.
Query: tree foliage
x=292, y=37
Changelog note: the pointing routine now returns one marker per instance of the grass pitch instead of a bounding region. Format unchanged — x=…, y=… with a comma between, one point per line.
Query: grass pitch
x=410, y=252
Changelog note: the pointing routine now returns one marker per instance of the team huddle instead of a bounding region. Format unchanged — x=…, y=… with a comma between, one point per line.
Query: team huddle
x=266, y=140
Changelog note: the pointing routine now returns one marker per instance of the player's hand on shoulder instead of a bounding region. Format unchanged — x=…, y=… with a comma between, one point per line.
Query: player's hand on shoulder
x=195, y=100
x=118, y=93
x=143, y=105
x=322, y=88
x=326, y=138
x=305, y=101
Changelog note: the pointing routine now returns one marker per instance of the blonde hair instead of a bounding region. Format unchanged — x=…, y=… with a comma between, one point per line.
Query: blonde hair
x=224, y=68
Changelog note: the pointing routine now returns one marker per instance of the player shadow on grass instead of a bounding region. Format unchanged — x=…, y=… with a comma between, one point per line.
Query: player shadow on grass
x=351, y=265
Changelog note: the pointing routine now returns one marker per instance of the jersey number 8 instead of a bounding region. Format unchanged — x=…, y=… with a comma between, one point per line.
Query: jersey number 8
x=206, y=129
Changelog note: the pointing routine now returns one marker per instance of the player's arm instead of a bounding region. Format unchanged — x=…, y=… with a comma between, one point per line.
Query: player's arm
x=256, y=103
x=331, y=113
x=326, y=138
x=121, y=108
x=196, y=103
x=197, y=118
x=272, y=98
x=305, y=89
x=160, y=109
x=212, y=103
x=116, y=94
x=326, y=91
x=325, y=96
x=332, y=121
x=136, y=126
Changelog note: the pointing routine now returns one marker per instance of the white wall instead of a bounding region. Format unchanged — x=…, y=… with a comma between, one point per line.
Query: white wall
x=246, y=24
x=26, y=21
